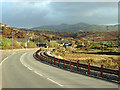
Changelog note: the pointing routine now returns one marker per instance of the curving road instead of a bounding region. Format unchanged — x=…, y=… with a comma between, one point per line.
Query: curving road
x=21, y=70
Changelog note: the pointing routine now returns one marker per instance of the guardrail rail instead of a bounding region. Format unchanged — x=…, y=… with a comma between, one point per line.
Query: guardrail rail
x=80, y=67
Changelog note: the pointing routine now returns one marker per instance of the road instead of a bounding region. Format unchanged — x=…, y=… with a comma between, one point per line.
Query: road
x=21, y=70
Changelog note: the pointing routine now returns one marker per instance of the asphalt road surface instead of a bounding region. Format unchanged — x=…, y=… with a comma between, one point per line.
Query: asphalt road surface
x=21, y=70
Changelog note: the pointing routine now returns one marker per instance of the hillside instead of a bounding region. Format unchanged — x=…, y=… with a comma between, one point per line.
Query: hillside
x=45, y=35
x=78, y=27
x=31, y=34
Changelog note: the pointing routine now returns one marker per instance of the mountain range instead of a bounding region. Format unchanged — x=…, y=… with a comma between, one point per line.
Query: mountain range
x=78, y=27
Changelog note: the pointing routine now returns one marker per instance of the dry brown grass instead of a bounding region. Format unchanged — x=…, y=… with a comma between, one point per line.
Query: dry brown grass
x=109, y=61
x=75, y=56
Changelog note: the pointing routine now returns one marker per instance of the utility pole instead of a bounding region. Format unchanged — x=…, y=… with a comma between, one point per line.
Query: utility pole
x=12, y=40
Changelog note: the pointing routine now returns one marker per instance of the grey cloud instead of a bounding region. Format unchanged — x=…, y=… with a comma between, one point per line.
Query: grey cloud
x=96, y=13
x=32, y=14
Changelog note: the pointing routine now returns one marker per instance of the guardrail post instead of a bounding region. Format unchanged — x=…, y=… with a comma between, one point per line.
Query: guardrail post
x=45, y=58
x=70, y=65
x=48, y=59
x=64, y=64
x=36, y=54
x=77, y=65
x=88, y=68
x=58, y=63
x=54, y=61
x=51, y=60
x=40, y=57
x=119, y=74
x=101, y=75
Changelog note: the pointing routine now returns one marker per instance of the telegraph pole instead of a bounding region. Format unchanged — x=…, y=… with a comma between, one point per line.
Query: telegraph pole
x=12, y=40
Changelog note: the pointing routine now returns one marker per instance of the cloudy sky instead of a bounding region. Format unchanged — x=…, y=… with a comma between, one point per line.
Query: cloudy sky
x=34, y=14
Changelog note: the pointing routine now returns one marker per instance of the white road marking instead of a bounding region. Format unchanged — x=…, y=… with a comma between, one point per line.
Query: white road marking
x=54, y=82
x=24, y=65
x=23, y=55
x=6, y=58
x=21, y=59
x=38, y=73
x=29, y=68
x=3, y=60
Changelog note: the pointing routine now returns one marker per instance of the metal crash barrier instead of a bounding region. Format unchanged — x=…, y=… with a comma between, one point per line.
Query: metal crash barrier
x=87, y=69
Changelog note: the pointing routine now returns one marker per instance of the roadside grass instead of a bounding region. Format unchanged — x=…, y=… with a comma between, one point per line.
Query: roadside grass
x=109, y=61
x=30, y=44
x=6, y=43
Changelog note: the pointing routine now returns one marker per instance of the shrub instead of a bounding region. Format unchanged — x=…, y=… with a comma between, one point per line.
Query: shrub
x=69, y=49
x=16, y=44
x=118, y=63
x=7, y=43
x=52, y=45
x=23, y=44
x=31, y=44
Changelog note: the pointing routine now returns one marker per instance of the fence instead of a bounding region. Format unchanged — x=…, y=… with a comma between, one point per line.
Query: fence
x=78, y=67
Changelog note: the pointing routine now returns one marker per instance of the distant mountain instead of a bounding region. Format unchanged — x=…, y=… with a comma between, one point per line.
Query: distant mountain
x=77, y=27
